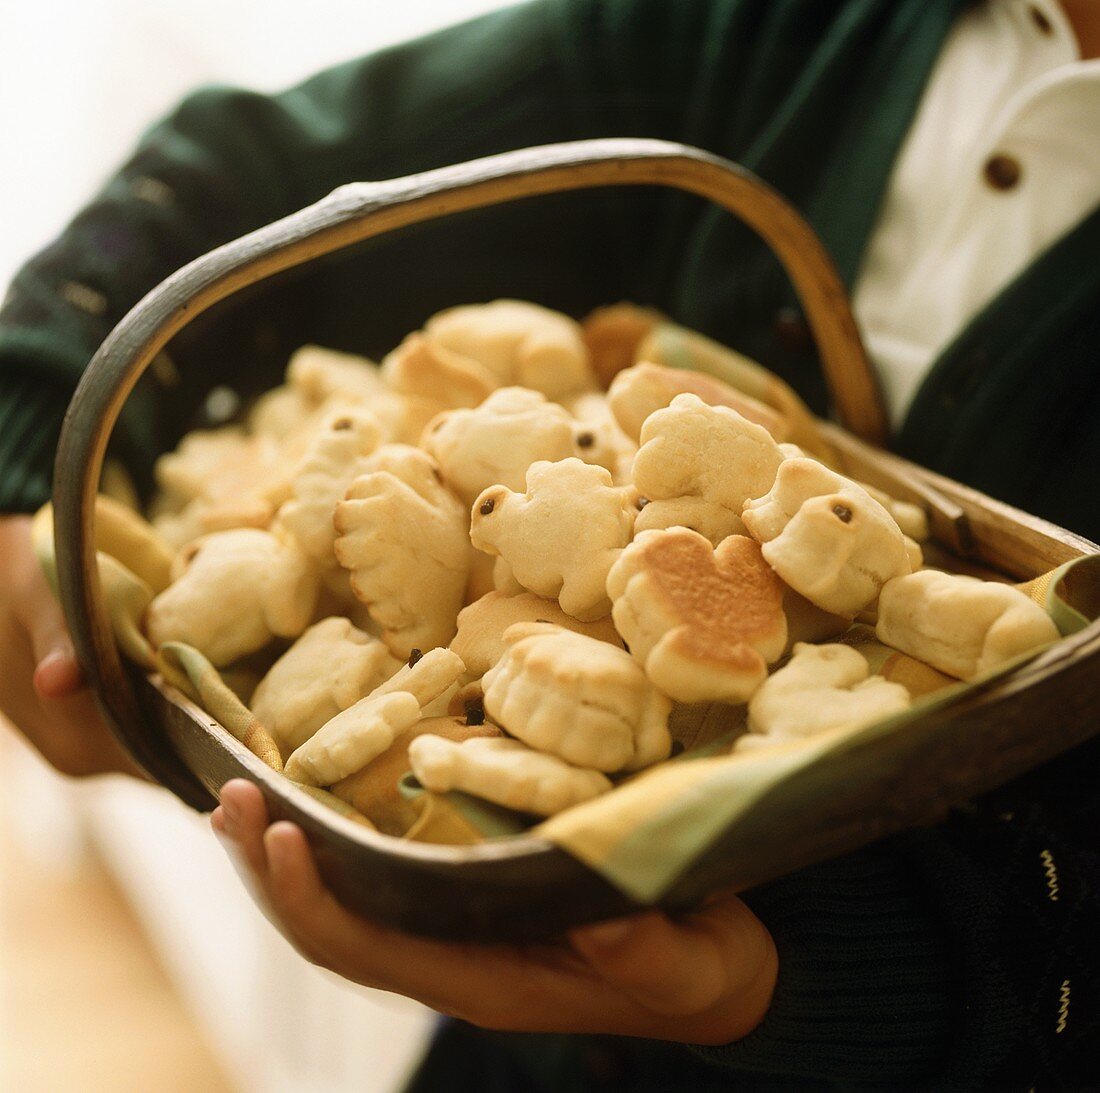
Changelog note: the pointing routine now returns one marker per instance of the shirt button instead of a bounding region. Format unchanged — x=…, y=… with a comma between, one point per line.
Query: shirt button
x=1039, y=18
x=1002, y=172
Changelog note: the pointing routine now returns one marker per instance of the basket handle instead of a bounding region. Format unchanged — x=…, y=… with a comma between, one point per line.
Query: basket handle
x=360, y=211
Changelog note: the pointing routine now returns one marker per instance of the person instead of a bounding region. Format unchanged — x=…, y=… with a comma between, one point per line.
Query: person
x=945, y=151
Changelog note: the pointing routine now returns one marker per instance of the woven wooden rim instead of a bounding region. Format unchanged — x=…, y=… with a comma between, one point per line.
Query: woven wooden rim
x=361, y=211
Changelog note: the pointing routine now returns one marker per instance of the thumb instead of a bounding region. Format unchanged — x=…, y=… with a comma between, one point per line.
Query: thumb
x=57, y=673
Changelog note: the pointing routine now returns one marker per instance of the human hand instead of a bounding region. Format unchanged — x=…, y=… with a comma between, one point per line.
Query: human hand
x=703, y=978
x=42, y=691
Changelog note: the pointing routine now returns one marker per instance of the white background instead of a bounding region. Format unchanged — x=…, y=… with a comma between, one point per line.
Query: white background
x=80, y=80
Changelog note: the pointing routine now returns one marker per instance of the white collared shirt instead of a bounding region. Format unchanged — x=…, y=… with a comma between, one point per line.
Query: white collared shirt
x=1002, y=158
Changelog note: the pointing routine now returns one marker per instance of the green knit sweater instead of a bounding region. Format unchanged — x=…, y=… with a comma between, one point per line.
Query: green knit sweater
x=907, y=963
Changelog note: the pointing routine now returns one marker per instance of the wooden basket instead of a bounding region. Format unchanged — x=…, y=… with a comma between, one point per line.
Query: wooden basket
x=525, y=887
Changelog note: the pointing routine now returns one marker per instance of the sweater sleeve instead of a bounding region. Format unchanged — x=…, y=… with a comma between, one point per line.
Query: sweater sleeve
x=227, y=161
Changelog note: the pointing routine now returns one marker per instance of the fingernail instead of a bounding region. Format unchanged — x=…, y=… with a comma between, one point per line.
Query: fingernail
x=229, y=809
x=217, y=820
x=273, y=846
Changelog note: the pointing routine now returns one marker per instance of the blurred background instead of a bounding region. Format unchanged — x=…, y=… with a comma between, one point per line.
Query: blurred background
x=130, y=957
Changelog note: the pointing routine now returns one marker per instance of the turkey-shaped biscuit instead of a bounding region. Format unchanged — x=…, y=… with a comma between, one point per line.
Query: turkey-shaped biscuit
x=827, y=537
x=576, y=697
x=481, y=626
x=336, y=457
x=711, y=453
x=597, y=437
x=235, y=591
x=506, y=772
x=519, y=343
x=423, y=368
x=356, y=736
x=320, y=374
x=495, y=443
x=562, y=536
x=821, y=687
x=961, y=625
x=402, y=535
x=329, y=668
x=705, y=622
x=646, y=388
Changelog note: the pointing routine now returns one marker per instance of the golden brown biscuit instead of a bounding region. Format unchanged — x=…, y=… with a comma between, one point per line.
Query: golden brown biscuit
x=704, y=622
x=423, y=368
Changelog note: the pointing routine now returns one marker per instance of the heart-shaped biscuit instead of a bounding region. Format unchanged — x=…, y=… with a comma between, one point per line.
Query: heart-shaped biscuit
x=705, y=622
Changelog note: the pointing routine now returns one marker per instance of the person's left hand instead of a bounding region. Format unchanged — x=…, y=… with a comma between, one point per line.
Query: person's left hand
x=704, y=978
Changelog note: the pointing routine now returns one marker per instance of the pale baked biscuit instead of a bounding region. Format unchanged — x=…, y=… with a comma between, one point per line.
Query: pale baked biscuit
x=320, y=374
x=961, y=625
x=597, y=437
x=329, y=668
x=713, y=521
x=480, y=639
x=827, y=537
x=402, y=535
x=519, y=343
x=335, y=458
x=692, y=450
x=704, y=622
x=375, y=791
x=821, y=687
x=353, y=738
x=505, y=772
x=232, y=593
x=578, y=698
x=495, y=443
x=562, y=536
x=424, y=368
x=645, y=388
x=349, y=741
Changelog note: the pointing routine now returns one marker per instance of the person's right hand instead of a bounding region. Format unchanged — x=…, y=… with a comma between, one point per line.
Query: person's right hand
x=42, y=691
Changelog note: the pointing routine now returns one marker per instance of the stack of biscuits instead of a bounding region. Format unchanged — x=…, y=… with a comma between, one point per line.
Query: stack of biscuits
x=505, y=557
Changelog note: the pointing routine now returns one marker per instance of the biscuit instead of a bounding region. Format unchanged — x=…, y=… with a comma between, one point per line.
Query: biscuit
x=690, y=449
x=329, y=668
x=335, y=458
x=713, y=521
x=646, y=388
x=612, y=336
x=519, y=343
x=576, y=697
x=480, y=638
x=961, y=625
x=597, y=437
x=319, y=375
x=495, y=443
x=821, y=687
x=827, y=537
x=505, y=772
x=345, y=744
x=704, y=622
x=234, y=592
x=375, y=790
x=562, y=536
x=354, y=737
x=402, y=535
x=423, y=368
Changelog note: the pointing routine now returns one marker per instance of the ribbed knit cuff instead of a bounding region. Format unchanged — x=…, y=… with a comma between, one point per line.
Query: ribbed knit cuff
x=37, y=378
x=863, y=993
